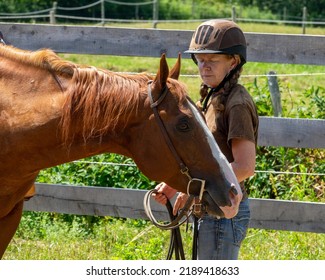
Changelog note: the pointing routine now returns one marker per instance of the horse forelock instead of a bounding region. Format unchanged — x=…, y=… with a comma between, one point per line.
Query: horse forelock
x=178, y=88
x=97, y=99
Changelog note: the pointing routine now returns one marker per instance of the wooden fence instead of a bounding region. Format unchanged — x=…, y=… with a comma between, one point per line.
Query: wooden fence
x=275, y=48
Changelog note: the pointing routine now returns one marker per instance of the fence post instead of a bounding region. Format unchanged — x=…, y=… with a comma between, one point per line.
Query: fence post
x=136, y=12
x=275, y=93
x=102, y=6
x=304, y=19
x=285, y=13
x=233, y=14
x=155, y=13
x=52, y=13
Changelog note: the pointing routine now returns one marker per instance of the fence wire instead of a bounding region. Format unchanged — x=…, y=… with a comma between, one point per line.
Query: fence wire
x=136, y=4
x=256, y=171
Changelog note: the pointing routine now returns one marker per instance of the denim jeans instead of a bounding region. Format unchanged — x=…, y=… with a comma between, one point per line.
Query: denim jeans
x=220, y=239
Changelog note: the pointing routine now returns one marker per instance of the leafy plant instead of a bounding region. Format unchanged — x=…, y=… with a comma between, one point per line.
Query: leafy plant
x=106, y=170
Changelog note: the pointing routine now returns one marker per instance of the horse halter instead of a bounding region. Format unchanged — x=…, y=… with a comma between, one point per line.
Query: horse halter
x=183, y=169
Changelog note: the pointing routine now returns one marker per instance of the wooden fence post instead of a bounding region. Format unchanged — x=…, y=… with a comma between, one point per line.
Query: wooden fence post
x=275, y=93
x=284, y=13
x=304, y=18
x=233, y=14
x=155, y=13
x=102, y=6
x=52, y=13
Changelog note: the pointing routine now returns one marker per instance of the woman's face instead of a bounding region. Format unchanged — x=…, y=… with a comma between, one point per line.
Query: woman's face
x=214, y=67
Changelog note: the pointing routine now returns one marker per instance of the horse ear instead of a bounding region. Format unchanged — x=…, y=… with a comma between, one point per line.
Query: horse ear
x=162, y=75
x=174, y=73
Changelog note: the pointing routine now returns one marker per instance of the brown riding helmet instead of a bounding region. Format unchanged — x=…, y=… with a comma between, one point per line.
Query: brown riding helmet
x=218, y=36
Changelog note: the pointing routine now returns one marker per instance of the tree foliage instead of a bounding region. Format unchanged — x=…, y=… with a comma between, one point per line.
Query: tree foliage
x=174, y=9
x=293, y=8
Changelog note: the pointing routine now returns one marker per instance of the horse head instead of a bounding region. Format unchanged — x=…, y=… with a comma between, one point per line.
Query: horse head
x=184, y=154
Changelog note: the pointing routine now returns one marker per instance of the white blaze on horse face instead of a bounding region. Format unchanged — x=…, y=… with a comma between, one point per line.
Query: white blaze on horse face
x=229, y=211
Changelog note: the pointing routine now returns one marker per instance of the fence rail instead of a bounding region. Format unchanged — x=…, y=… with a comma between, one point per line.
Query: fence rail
x=276, y=48
x=127, y=203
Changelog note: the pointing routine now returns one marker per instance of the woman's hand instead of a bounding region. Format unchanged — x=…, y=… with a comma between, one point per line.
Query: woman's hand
x=180, y=202
x=164, y=192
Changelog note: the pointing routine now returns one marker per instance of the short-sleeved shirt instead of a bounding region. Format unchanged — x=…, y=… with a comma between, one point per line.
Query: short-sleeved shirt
x=238, y=119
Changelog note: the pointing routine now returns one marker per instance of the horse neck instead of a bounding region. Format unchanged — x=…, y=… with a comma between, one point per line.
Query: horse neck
x=32, y=105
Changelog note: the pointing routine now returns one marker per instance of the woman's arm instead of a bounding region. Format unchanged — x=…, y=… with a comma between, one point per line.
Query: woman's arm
x=244, y=154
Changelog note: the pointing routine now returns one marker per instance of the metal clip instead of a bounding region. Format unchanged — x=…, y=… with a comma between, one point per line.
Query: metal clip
x=202, y=187
x=198, y=209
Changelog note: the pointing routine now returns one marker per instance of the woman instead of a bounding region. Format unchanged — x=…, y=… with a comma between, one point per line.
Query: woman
x=218, y=47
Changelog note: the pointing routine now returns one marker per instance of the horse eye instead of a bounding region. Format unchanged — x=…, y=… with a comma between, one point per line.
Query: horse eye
x=183, y=126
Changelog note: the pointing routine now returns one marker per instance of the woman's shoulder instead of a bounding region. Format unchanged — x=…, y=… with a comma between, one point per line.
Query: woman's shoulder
x=239, y=96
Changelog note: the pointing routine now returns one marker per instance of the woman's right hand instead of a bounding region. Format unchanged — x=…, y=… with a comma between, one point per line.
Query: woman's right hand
x=164, y=192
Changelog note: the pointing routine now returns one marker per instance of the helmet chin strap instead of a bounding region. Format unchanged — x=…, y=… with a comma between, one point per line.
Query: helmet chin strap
x=220, y=86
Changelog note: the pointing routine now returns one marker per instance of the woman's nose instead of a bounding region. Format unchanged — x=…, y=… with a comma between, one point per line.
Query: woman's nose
x=205, y=65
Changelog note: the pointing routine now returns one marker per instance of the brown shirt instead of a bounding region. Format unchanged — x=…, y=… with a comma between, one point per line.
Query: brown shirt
x=237, y=118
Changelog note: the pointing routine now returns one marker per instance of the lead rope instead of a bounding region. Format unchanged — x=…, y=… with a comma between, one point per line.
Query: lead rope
x=195, y=237
x=181, y=218
x=176, y=244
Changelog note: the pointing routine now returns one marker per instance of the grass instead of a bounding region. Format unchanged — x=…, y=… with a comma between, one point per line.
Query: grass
x=245, y=26
x=262, y=244
x=119, y=239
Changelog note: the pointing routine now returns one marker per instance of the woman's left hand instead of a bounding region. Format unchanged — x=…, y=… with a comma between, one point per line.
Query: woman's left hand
x=180, y=202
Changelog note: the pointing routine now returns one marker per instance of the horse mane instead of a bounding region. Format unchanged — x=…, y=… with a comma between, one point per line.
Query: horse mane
x=43, y=58
x=96, y=98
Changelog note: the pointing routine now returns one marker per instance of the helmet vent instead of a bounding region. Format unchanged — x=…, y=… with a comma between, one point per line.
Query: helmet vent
x=203, y=34
x=217, y=32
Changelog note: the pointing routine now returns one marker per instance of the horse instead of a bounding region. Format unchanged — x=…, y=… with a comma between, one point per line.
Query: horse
x=53, y=111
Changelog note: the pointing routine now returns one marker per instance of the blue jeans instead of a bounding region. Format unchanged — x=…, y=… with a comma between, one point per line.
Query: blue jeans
x=220, y=239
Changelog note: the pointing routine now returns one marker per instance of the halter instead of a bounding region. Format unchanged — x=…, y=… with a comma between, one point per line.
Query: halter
x=186, y=211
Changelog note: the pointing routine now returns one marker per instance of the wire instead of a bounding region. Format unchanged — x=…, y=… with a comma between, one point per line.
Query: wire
x=242, y=76
x=26, y=14
x=77, y=8
x=130, y=4
x=289, y=173
x=105, y=163
x=256, y=171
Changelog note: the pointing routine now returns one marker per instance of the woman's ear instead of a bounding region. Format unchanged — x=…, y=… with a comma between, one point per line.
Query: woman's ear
x=235, y=60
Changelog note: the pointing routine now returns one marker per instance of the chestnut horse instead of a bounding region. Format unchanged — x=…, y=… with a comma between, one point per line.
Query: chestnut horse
x=53, y=111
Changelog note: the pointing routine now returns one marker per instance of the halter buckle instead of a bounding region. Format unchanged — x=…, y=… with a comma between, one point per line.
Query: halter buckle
x=198, y=209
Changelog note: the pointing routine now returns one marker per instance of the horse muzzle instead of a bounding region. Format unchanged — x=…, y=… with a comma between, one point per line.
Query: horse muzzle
x=228, y=210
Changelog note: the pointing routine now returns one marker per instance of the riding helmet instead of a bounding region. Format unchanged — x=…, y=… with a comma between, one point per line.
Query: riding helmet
x=218, y=36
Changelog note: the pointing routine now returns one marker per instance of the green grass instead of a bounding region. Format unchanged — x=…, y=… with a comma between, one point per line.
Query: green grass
x=125, y=239
x=246, y=27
